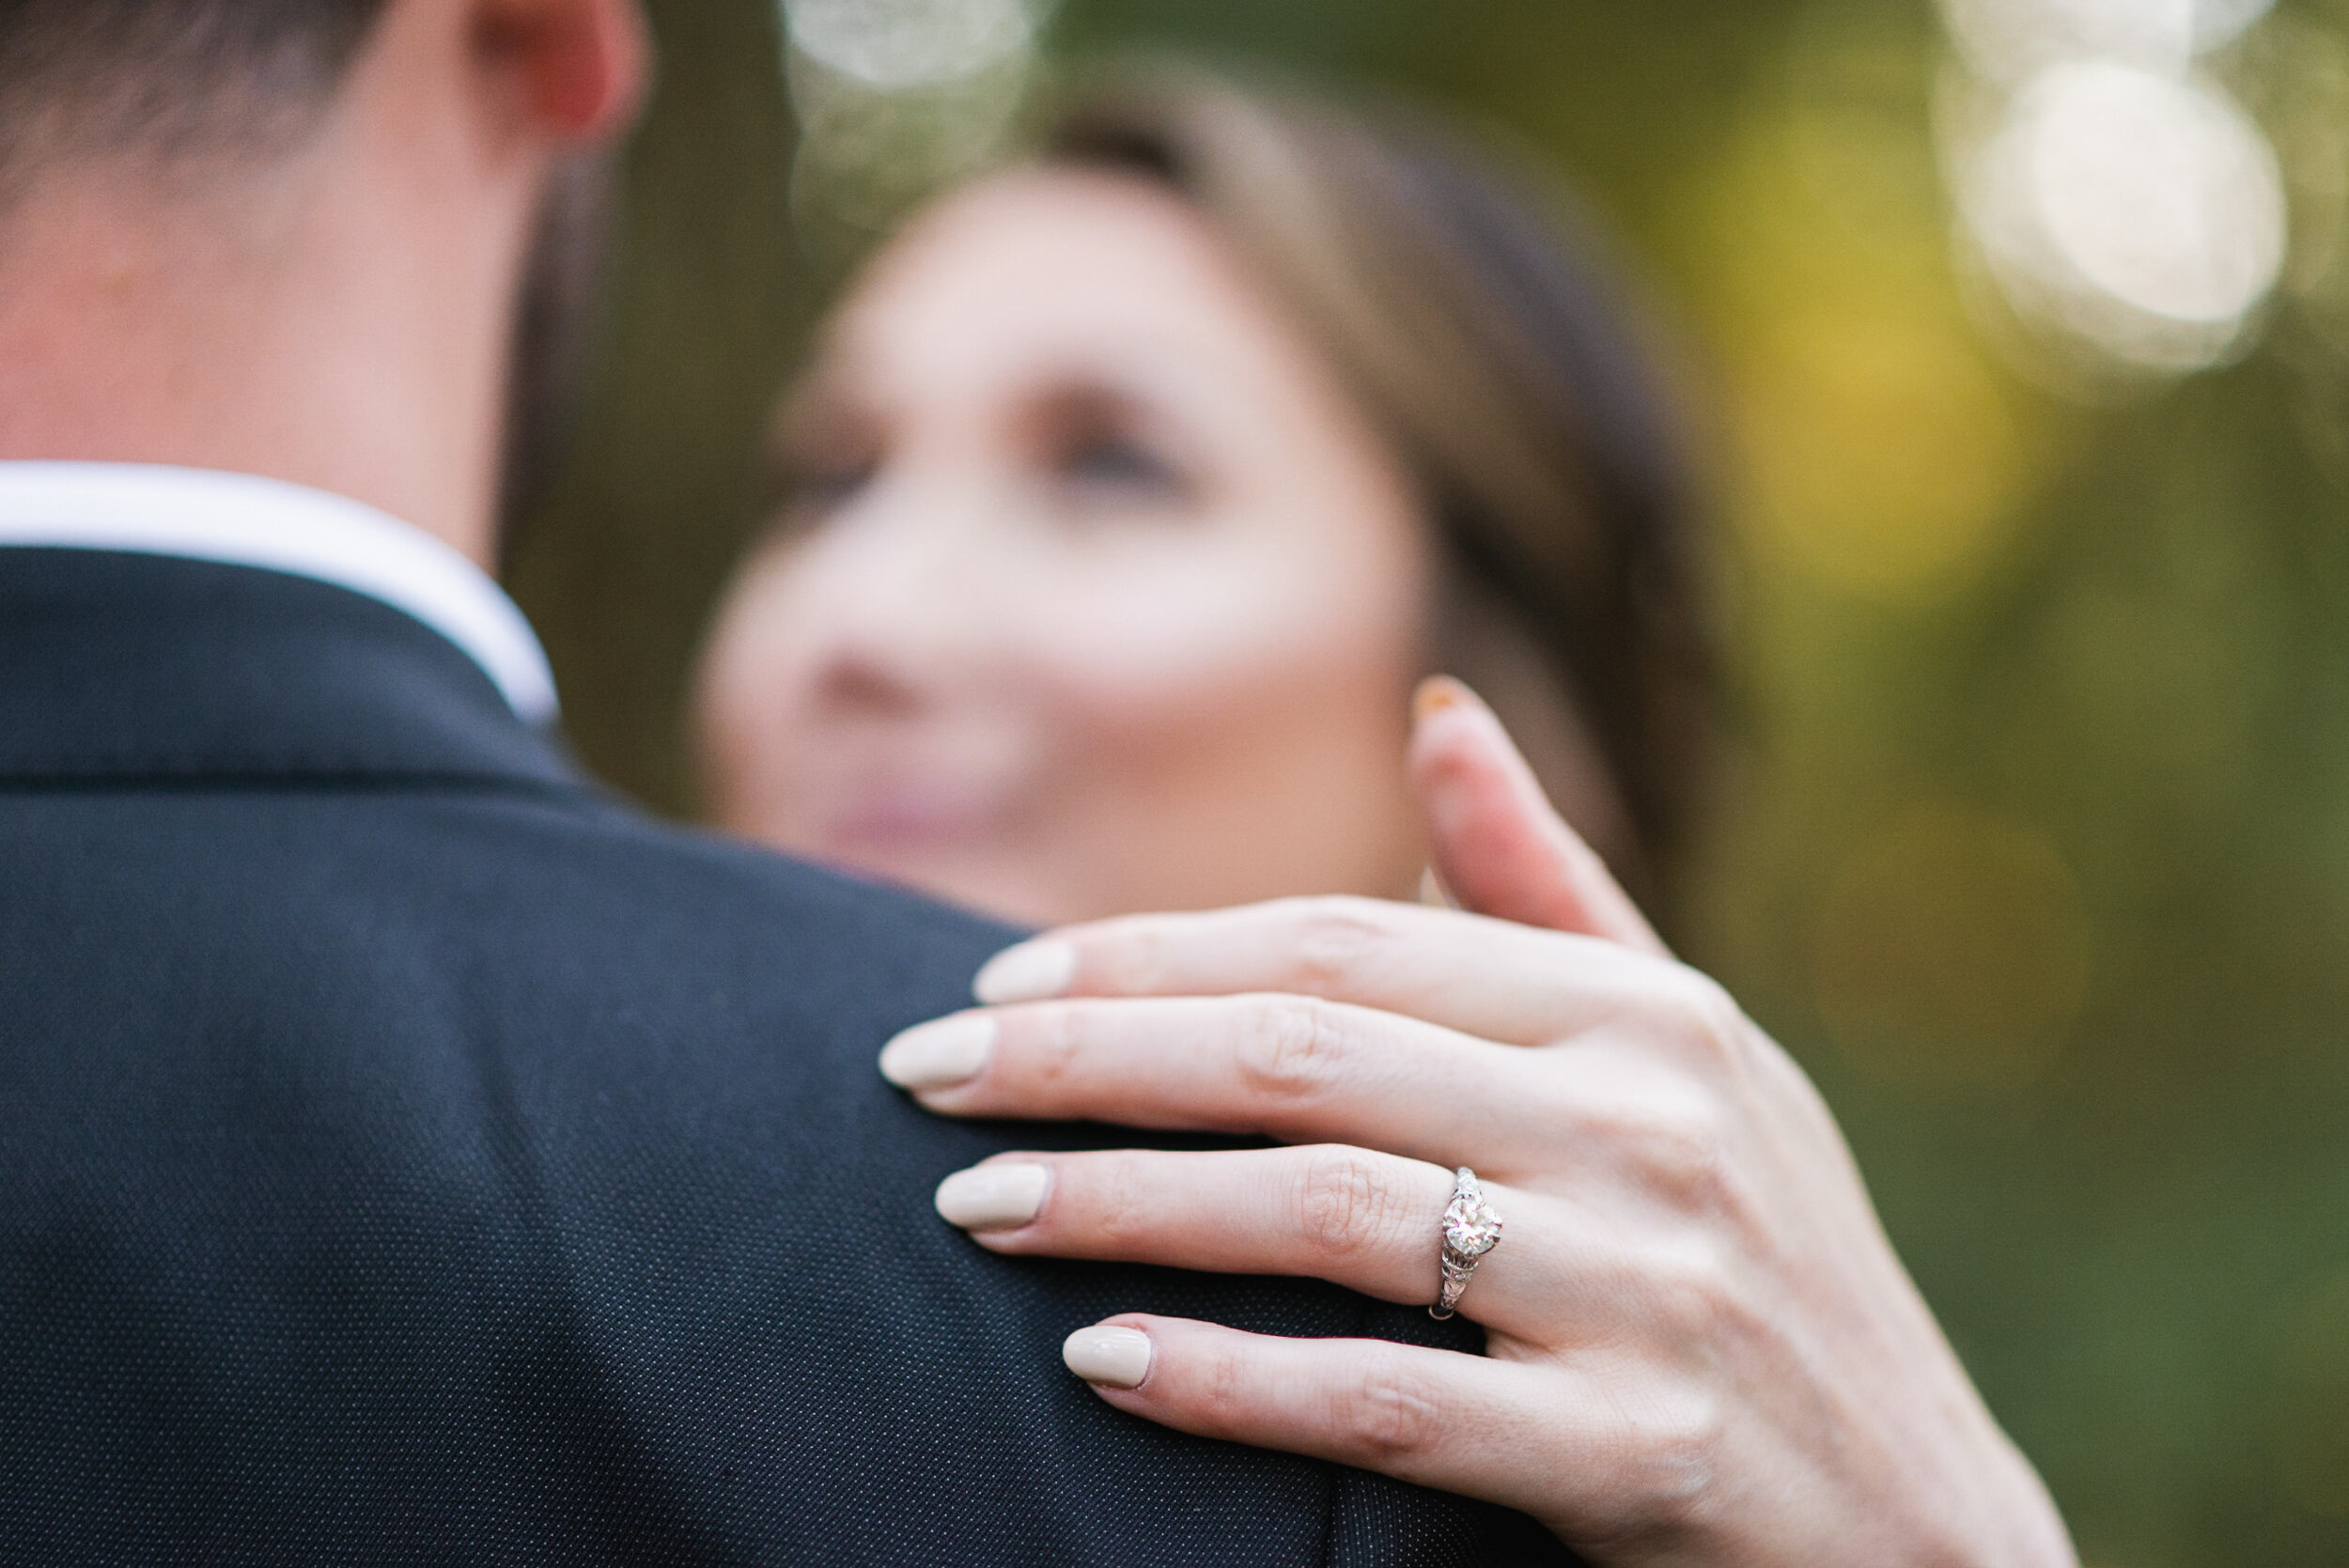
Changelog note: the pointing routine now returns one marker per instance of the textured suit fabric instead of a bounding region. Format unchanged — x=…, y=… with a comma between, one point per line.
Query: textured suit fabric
x=409, y=1154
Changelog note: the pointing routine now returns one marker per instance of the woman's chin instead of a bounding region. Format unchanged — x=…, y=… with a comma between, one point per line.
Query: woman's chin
x=970, y=873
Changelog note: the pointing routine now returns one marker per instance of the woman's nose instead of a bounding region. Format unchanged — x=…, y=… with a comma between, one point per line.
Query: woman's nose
x=897, y=598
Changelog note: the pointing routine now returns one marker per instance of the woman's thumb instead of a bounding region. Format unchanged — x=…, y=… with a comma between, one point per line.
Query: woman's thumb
x=1500, y=848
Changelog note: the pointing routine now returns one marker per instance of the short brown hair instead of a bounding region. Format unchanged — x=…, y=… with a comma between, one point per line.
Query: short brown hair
x=165, y=78
x=1473, y=319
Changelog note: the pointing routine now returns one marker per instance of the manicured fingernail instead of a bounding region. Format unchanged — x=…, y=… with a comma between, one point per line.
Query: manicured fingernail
x=1437, y=693
x=1030, y=973
x=992, y=1197
x=940, y=1054
x=1114, y=1358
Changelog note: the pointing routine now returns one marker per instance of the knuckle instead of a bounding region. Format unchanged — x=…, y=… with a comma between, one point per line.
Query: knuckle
x=1344, y=1206
x=1290, y=1049
x=1711, y=1020
x=1689, y=1292
x=1702, y=1308
x=1054, y=1041
x=1118, y=1200
x=1144, y=951
x=1225, y=1393
x=1389, y=1411
x=1337, y=940
x=1670, y=1450
x=1688, y=1158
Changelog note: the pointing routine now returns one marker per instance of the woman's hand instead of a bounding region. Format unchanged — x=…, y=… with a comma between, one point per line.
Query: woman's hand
x=1701, y=1346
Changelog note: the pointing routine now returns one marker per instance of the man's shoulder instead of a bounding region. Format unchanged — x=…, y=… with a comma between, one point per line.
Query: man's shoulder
x=750, y=973
x=643, y=998
x=432, y=1155
x=601, y=855
x=513, y=899
x=648, y=897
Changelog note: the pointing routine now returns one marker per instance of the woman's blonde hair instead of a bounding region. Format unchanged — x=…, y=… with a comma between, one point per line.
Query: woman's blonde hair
x=1478, y=330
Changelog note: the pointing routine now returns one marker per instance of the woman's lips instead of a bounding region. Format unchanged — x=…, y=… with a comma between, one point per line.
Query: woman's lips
x=899, y=815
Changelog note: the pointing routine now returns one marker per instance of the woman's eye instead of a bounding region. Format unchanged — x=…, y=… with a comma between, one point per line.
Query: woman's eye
x=816, y=488
x=1121, y=467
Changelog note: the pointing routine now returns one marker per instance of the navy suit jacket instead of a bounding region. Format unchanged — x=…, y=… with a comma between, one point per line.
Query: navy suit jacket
x=408, y=1154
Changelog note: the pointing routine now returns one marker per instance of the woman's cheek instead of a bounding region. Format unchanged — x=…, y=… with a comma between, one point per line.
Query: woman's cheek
x=1183, y=720
x=1163, y=650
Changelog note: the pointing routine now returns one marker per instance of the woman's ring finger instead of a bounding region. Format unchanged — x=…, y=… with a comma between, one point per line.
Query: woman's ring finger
x=1349, y=1216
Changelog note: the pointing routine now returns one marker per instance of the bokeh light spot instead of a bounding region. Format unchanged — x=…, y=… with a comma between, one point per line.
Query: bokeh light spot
x=909, y=44
x=2162, y=195
x=895, y=99
x=2125, y=203
x=1879, y=455
x=2016, y=37
x=866, y=157
x=2111, y=186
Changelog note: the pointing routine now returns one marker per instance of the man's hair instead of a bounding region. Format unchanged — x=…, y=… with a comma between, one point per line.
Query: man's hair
x=167, y=79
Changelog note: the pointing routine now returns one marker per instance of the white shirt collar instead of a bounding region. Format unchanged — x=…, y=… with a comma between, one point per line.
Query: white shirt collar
x=241, y=519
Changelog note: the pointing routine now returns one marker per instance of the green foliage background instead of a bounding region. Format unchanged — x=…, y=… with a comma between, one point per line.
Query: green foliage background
x=2037, y=850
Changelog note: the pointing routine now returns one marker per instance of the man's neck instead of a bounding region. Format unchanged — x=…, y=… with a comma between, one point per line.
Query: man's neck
x=264, y=323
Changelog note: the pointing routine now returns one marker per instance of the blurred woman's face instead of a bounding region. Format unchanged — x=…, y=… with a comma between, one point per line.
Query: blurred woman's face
x=1096, y=594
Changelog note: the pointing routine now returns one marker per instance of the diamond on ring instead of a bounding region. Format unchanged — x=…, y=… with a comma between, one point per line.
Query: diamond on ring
x=1470, y=1230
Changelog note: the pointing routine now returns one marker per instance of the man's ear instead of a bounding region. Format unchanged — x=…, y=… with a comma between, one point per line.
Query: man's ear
x=580, y=68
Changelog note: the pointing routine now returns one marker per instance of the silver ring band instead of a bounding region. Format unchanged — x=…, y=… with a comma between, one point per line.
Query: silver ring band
x=1470, y=1230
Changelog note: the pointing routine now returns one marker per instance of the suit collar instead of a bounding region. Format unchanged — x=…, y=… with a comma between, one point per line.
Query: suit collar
x=129, y=668
x=241, y=520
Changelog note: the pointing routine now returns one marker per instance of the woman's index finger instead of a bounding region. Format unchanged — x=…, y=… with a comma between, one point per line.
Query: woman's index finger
x=1489, y=978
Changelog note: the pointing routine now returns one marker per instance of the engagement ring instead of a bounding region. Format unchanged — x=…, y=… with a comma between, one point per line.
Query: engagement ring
x=1470, y=1230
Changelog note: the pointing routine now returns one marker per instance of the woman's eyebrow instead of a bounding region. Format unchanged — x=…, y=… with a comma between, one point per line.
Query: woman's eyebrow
x=1086, y=395
x=1142, y=381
